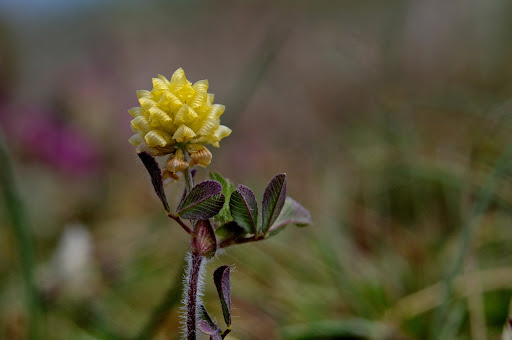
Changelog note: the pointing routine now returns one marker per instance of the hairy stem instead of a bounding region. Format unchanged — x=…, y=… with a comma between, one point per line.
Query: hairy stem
x=193, y=293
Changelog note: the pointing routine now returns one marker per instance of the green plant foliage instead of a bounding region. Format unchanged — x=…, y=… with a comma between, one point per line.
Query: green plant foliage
x=227, y=188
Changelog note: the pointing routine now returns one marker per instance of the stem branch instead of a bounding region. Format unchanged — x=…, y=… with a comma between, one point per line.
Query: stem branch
x=181, y=223
x=254, y=238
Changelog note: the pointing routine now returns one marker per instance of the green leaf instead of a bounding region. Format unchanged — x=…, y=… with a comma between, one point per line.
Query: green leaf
x=204, y=201
x=244, y=208
x=273, y=200
x=156, y=177
x=227, y=188
x=292, y=212
x=230, y=230
x=222, y=283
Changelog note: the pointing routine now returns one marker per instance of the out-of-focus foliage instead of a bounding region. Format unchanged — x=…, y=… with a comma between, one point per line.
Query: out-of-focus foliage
x=390, y=118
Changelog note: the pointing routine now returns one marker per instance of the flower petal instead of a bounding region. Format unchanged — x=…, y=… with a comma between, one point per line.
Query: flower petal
x=177, y=162
x=178, y=79
x=146, y=103
x=183, y=133
x=143, y=93
x=141, y=123
x=135, y=111
x=209, y=99
x=200, y=155
x=216, y=111
x=209, y=126
x=185, y=115
x=174, y=102
x=160, y=85
x=159, y=117
x=157, y=138
x=136, y=139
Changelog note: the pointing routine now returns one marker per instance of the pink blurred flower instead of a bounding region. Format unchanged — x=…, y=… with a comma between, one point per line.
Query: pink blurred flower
x=41, y=136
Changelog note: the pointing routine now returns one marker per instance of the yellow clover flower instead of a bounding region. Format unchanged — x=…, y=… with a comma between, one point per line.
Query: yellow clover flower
x=177, y=115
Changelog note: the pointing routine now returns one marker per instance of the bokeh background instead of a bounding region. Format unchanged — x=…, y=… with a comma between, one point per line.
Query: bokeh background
x=392, y=120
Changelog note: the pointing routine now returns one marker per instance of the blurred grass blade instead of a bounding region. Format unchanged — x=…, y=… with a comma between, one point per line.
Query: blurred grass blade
x=169, y=301
x=482, y=203
x=337, y=329
x=19, y=223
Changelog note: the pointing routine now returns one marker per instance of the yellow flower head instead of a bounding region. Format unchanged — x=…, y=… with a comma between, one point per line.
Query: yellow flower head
x=176, y=114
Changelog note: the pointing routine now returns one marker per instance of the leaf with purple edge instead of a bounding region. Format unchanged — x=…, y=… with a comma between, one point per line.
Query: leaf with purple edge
x=292, y=212
x=221, y=279
x=206, y=325
x=273, y=201
x=204, y=201
x=244, y=208
x=203, y=240
x=156, y=177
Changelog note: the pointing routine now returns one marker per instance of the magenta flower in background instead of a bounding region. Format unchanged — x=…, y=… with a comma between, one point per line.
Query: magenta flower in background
x=41, y=136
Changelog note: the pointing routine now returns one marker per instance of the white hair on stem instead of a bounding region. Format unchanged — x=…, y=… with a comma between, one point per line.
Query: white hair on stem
x=193, y=282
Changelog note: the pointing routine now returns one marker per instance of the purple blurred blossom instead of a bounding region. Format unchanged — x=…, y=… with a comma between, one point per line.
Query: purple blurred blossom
x=41, y=136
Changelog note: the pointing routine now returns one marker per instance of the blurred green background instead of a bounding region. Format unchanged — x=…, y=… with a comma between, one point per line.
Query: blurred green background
x=392, y=120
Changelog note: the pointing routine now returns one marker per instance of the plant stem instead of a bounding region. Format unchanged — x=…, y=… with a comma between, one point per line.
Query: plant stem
x=181, y=223
x=193, y=293
x=189, y=180
x=254, y=238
